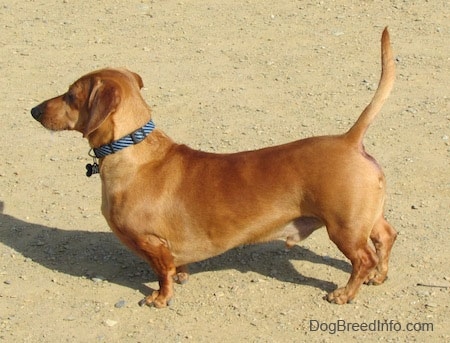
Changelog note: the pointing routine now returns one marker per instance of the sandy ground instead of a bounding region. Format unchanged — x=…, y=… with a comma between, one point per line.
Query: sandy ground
x=223, y=76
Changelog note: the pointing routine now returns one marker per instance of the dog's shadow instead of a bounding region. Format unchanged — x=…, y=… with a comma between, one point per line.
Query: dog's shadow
x=100, y=256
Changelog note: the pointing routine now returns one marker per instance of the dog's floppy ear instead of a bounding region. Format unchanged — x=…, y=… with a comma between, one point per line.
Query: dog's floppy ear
x=138, y=79
x=103, y=100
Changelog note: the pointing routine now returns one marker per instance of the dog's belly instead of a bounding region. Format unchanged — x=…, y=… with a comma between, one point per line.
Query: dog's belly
x=194, y=250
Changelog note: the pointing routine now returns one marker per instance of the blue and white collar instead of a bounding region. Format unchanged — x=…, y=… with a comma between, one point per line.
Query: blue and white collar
x=133, y=138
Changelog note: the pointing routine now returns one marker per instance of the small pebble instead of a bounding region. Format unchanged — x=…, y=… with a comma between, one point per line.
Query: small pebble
x=120, y=304
x=109, y=322
x=98, y=279
x=7, y=282
x=423, y=293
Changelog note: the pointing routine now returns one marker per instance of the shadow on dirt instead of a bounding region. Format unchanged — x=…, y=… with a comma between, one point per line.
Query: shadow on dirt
x=101, y=255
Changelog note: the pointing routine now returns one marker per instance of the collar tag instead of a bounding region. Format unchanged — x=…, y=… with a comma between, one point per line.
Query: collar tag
x=93, y=168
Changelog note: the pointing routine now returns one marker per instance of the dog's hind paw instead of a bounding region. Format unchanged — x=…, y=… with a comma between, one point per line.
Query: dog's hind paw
x=375, y=278
x=181, y=278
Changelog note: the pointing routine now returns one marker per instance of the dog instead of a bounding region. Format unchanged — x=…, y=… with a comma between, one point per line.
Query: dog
x=173, y=205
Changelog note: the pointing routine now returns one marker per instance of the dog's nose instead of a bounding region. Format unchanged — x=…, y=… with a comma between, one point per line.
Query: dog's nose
x=37, y=112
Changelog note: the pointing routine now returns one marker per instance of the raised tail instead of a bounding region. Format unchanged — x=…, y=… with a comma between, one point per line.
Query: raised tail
x=357, y=131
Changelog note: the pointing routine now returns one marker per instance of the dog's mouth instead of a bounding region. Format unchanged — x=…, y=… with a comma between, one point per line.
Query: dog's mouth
x=51, y=123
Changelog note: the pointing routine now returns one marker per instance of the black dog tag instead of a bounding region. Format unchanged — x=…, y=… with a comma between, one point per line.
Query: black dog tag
x=92, y=169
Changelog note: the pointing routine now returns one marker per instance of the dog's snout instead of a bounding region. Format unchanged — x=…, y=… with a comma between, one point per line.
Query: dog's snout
x=37, y=112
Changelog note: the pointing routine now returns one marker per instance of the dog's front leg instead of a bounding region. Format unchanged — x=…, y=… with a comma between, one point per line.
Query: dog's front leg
x=161, y=261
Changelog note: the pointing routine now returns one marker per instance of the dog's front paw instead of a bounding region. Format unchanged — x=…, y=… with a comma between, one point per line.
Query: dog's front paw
x=155, y=299
x=339, y=296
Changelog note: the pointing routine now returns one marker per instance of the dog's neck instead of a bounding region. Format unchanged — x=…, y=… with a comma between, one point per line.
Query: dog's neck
x=133, y=138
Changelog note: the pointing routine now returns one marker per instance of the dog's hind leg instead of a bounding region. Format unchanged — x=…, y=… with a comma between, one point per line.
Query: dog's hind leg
x=362, y=256
x=383, y=237
x=182, y=274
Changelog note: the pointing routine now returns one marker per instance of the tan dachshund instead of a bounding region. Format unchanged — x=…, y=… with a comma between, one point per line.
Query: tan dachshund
x=173, y=205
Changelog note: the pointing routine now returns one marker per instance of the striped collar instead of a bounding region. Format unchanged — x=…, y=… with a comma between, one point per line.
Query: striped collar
x=126, y=141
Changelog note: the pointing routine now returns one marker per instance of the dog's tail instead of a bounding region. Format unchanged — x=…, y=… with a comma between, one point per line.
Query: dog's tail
x=357, y=131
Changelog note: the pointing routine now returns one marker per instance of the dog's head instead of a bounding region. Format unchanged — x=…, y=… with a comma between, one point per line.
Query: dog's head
x=94, y=105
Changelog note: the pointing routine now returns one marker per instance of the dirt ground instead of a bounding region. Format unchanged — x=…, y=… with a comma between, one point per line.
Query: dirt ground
x=223, y=76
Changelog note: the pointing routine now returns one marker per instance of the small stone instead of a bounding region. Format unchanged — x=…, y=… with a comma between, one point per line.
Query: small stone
x=98, y=279
x=7, y=282
x=338, y=33
x=109, y=322
x=120, y=304
x=423, y=294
